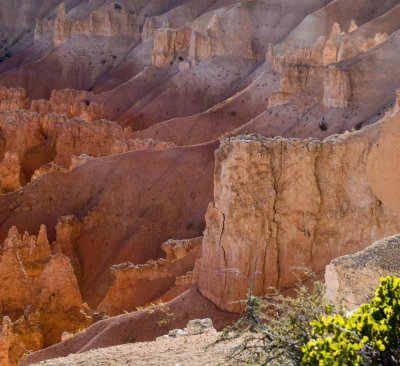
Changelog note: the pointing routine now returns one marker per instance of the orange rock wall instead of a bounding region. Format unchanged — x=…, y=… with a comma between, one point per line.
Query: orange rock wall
x=286, y=203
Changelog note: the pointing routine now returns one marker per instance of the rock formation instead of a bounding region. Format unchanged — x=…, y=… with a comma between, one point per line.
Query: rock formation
x=107, y=21
x=167, y=42
x=71, y=103
x=39, y=291
x=337, y=88
x=13, y=98
x=122, y=146
x=281, y=204
x=111, y=145
x=20, y=338
x=352, y=280
x=216, y=36
x=135, y=286
x=11, y=177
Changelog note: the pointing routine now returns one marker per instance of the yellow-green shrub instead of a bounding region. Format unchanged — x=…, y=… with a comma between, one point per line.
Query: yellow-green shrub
x=370, y=336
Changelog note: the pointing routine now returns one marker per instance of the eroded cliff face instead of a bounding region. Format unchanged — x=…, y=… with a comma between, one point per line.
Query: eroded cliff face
x=280, y=204
x=185, y=73
x=304, y=64
x=71, y=103
x=39, y=296
x=164, y=279
x=226, y=33
x=109, y=20
x=39, y=136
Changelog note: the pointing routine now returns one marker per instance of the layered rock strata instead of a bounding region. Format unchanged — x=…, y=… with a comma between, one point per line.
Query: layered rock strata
x=227, y=34
x=280, y=204
x=37, y=140
x=13, y=98
x=111, y=20
x=138, y=285
x=51, y=136
x=68, y=102
x=71, y=103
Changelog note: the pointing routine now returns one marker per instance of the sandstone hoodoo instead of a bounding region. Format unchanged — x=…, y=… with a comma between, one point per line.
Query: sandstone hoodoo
x=170, y=156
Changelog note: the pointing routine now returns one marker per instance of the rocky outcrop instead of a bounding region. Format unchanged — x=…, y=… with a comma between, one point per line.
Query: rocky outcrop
x=68, y=230
x=68, y=102
x=123, y=145
x=48, y=168
x=283, y=204
x=353, y=26
x=106, y=21
x=20, y=338
x=334, y=47
x=294, y=78
x=167, y=43
x=71, y=103
x=58, y=300
x=220, y=35
x=32, y=145
x=330, y=51
x=148, y=29
x=11, y=177
x=13, y=98
x=76, y=137
x=352, y=280
x=337, y=88
x=349, y=47
x=39, y=292
x=138, y=285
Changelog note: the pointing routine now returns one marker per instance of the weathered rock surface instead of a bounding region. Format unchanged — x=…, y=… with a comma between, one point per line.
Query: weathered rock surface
x=123, y=145
x=13, y=98
x=11, y=177
x=353, y=279
x=39, y=296
x=337, y=88
x=71, y=103
x=107, y=21
x=20, y=338
x=32, y=144
x=186, y=73
x=139, y=285
x=281, y=204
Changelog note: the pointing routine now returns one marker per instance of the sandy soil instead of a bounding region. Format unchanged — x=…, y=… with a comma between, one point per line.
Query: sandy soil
x=175, y=352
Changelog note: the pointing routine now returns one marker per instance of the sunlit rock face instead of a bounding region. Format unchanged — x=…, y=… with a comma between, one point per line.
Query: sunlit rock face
x=39, y=296
x=280, y=204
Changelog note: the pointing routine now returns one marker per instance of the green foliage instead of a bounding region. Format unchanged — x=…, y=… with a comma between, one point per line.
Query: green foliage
x=370, y=336
x=273, y=329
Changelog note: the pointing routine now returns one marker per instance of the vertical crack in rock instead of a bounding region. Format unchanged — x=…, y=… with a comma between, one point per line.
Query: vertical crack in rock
x=318, y=213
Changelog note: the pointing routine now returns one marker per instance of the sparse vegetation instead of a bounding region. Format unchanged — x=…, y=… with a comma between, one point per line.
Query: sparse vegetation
x=168, y=315
x=162, y=323
x=322, y=125
x=274, y=328
x=359, y=125
x=277, y=330
x=370, y=336
x=117, y=6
